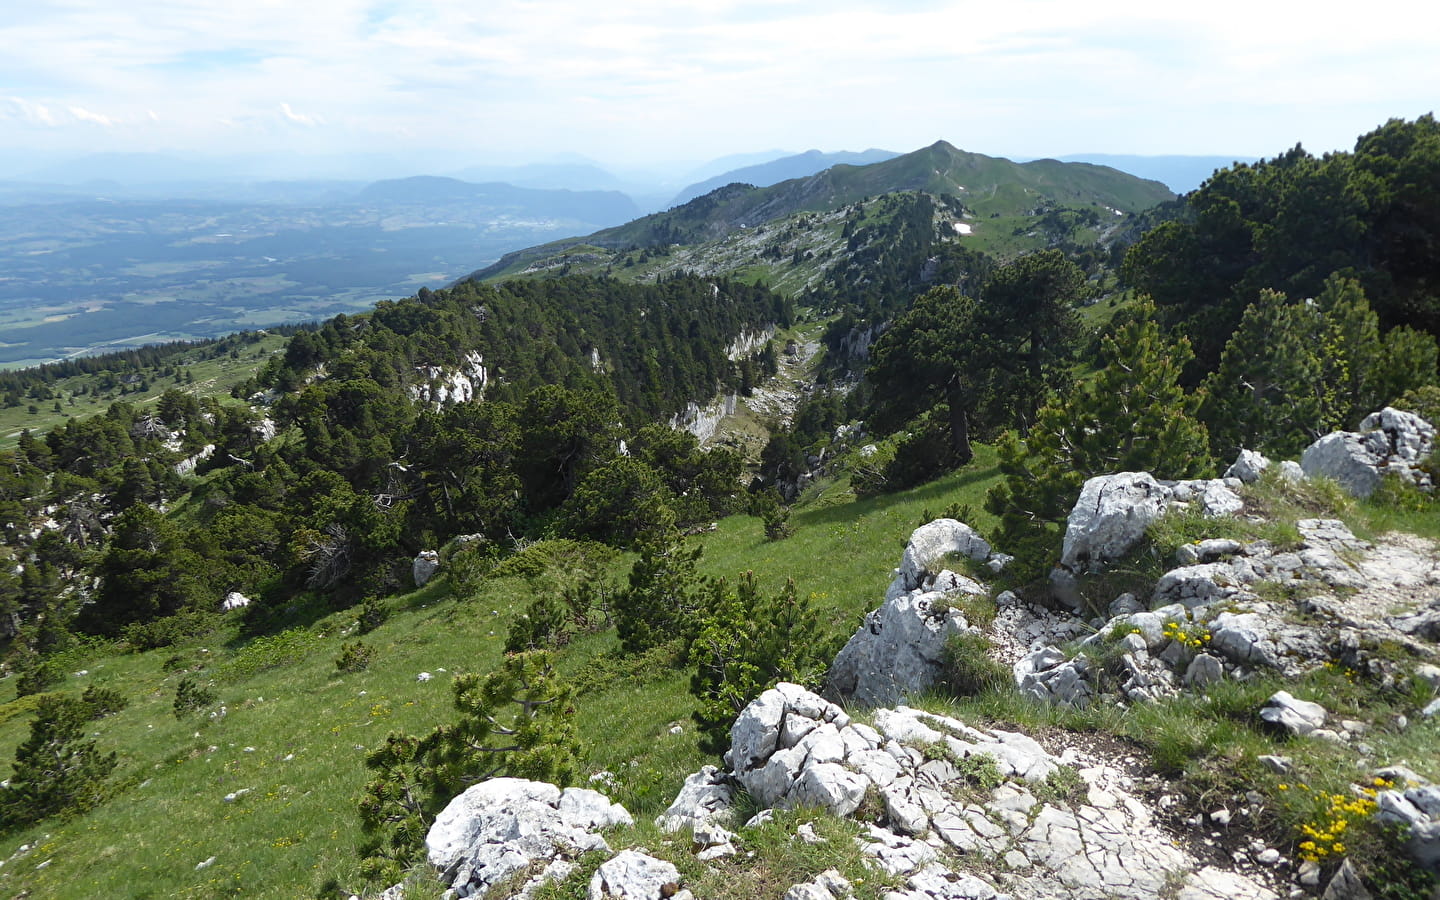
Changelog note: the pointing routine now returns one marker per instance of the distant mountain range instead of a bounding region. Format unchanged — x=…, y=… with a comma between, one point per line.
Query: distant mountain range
x=1182, y=174
x=503, y=199
x=778, y=170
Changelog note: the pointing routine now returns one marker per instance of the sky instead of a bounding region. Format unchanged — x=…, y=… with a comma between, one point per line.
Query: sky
x=638, y=82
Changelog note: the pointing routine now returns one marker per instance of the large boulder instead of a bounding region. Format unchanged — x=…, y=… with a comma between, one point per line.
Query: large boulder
x=1110, y=518
x=504, y=825
x=426, y=564
x=932, y=544
x=898, y=651
x=1389, y=442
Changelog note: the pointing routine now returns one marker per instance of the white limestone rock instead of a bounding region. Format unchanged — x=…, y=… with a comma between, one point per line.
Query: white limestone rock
x=1248, y=467
x=1110, y=518
x=930, y=544
x=632, y=875
x=503, y=825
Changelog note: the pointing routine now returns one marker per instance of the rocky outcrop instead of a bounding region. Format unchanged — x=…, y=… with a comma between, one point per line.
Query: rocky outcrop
x=899, y=649
x=438, y=387
x=1389, y=442
x=1113, y=511
x=507, y=825
x=704, y=421
x=935, y=791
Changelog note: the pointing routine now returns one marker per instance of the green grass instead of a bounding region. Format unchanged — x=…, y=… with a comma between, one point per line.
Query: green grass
x=295, y=730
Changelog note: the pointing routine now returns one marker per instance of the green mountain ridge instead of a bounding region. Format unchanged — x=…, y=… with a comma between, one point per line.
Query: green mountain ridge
x=987, y=186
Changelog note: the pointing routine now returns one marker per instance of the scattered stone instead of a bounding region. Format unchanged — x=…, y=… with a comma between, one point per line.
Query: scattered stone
x=1248, y=467
x=1280, y=765
x=1048, y=676
x=828, y=885
x=424, y=677
x=1299, y=717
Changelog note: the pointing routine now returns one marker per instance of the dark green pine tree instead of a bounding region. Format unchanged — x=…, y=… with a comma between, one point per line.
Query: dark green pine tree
x=1270, y=392
x=55, y=770
x=1133, y=416
x=931, y=354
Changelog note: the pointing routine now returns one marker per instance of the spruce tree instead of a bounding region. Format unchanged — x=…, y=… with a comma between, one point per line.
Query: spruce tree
x=1133, y=416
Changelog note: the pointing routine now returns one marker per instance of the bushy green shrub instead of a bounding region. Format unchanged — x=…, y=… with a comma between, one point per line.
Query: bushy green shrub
x=191, y=697
x=168, y=631
x=516, y=721
x=747, y=642
x=354, y=657
x=373, y=613
x=103, y=701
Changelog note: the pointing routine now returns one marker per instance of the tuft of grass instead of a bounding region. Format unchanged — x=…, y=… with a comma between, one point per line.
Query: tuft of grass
x=967, y=667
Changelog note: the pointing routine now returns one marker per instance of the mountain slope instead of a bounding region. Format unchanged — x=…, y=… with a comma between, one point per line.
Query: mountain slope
x=986, y=186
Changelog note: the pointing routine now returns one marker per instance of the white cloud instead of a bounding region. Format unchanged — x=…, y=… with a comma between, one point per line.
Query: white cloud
x=85, y=115
x=655, y=78
x=299, y=119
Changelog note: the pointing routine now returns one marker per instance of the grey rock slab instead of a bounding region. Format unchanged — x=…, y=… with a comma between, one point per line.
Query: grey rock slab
x=1345, y=884
x=1211, y=883
x=936, y=882
x=633, y=876
x=1204, y=670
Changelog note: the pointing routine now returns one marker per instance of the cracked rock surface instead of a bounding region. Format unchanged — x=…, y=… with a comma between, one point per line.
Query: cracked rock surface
x=939, y=795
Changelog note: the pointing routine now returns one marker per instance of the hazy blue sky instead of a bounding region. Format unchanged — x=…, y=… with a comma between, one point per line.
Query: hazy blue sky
x=628, y=81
